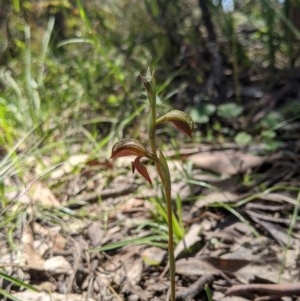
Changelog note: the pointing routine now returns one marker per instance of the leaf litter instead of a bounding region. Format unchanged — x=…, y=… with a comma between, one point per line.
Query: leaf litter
x=93, y=235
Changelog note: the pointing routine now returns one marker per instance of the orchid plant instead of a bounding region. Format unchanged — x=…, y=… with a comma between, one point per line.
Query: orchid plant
x=133, y=147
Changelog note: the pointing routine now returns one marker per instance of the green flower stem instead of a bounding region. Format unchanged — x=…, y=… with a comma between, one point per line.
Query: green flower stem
x=152, y=129
x=164, y=174
x=132, y=147
x=152, y=116
x=171, y=243
x=165, y=179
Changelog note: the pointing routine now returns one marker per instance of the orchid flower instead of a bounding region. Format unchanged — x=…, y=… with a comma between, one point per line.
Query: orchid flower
x=132, y=147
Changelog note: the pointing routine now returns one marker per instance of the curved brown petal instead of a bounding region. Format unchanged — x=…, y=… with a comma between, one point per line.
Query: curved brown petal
x=128, y=147
x=181, y=120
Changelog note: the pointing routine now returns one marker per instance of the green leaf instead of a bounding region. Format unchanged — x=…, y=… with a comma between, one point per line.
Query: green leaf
x=268, y=134
x=271, y=120
x=243, y=138
x=202, y=112
x=15, y=281
x=229, y=110
x=181, y=120
x=8, y=295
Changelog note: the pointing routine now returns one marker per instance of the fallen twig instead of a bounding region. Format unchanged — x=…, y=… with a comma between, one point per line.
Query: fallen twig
x=195, y=288
x=281, y=289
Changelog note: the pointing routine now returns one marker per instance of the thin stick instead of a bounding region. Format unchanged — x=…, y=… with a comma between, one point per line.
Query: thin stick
x=280, y=289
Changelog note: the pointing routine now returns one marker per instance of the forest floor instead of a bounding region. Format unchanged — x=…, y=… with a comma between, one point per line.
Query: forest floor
x=99, y=233
x=76, y=225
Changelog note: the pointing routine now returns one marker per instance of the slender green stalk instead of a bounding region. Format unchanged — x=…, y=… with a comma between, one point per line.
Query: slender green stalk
x=152, y=117
x=171, y=243
x=164, y=174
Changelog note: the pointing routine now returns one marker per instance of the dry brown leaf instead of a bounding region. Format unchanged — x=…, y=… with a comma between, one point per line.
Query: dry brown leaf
x=195, y=288
x=277, y=197
x=43, y=195
x=46, y=286
x=230, y=265
x=54, y=265
x=67, y=166
x=238, y=252
x=153, y=256
x=215, y=197
x=228, y=162
x=57, y=241
x=227, y=235
x=131, y=205
x=156, y=286
x=276, y=289
x=127, y=267
x=220, y=296
x=130, y=262
x=42, y=296
x=32, y=257
x=77, y=225
x=195, y=267
x=276, y=231
x=188, y=241
x=265, y=272
x=134, y=269
x=57, y=265
x=95, y=233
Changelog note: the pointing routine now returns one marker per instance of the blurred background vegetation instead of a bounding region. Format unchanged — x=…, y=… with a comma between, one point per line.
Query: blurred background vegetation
x=69, y=70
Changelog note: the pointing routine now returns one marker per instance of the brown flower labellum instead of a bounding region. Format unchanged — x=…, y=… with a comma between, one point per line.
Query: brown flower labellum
x=142, y=170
